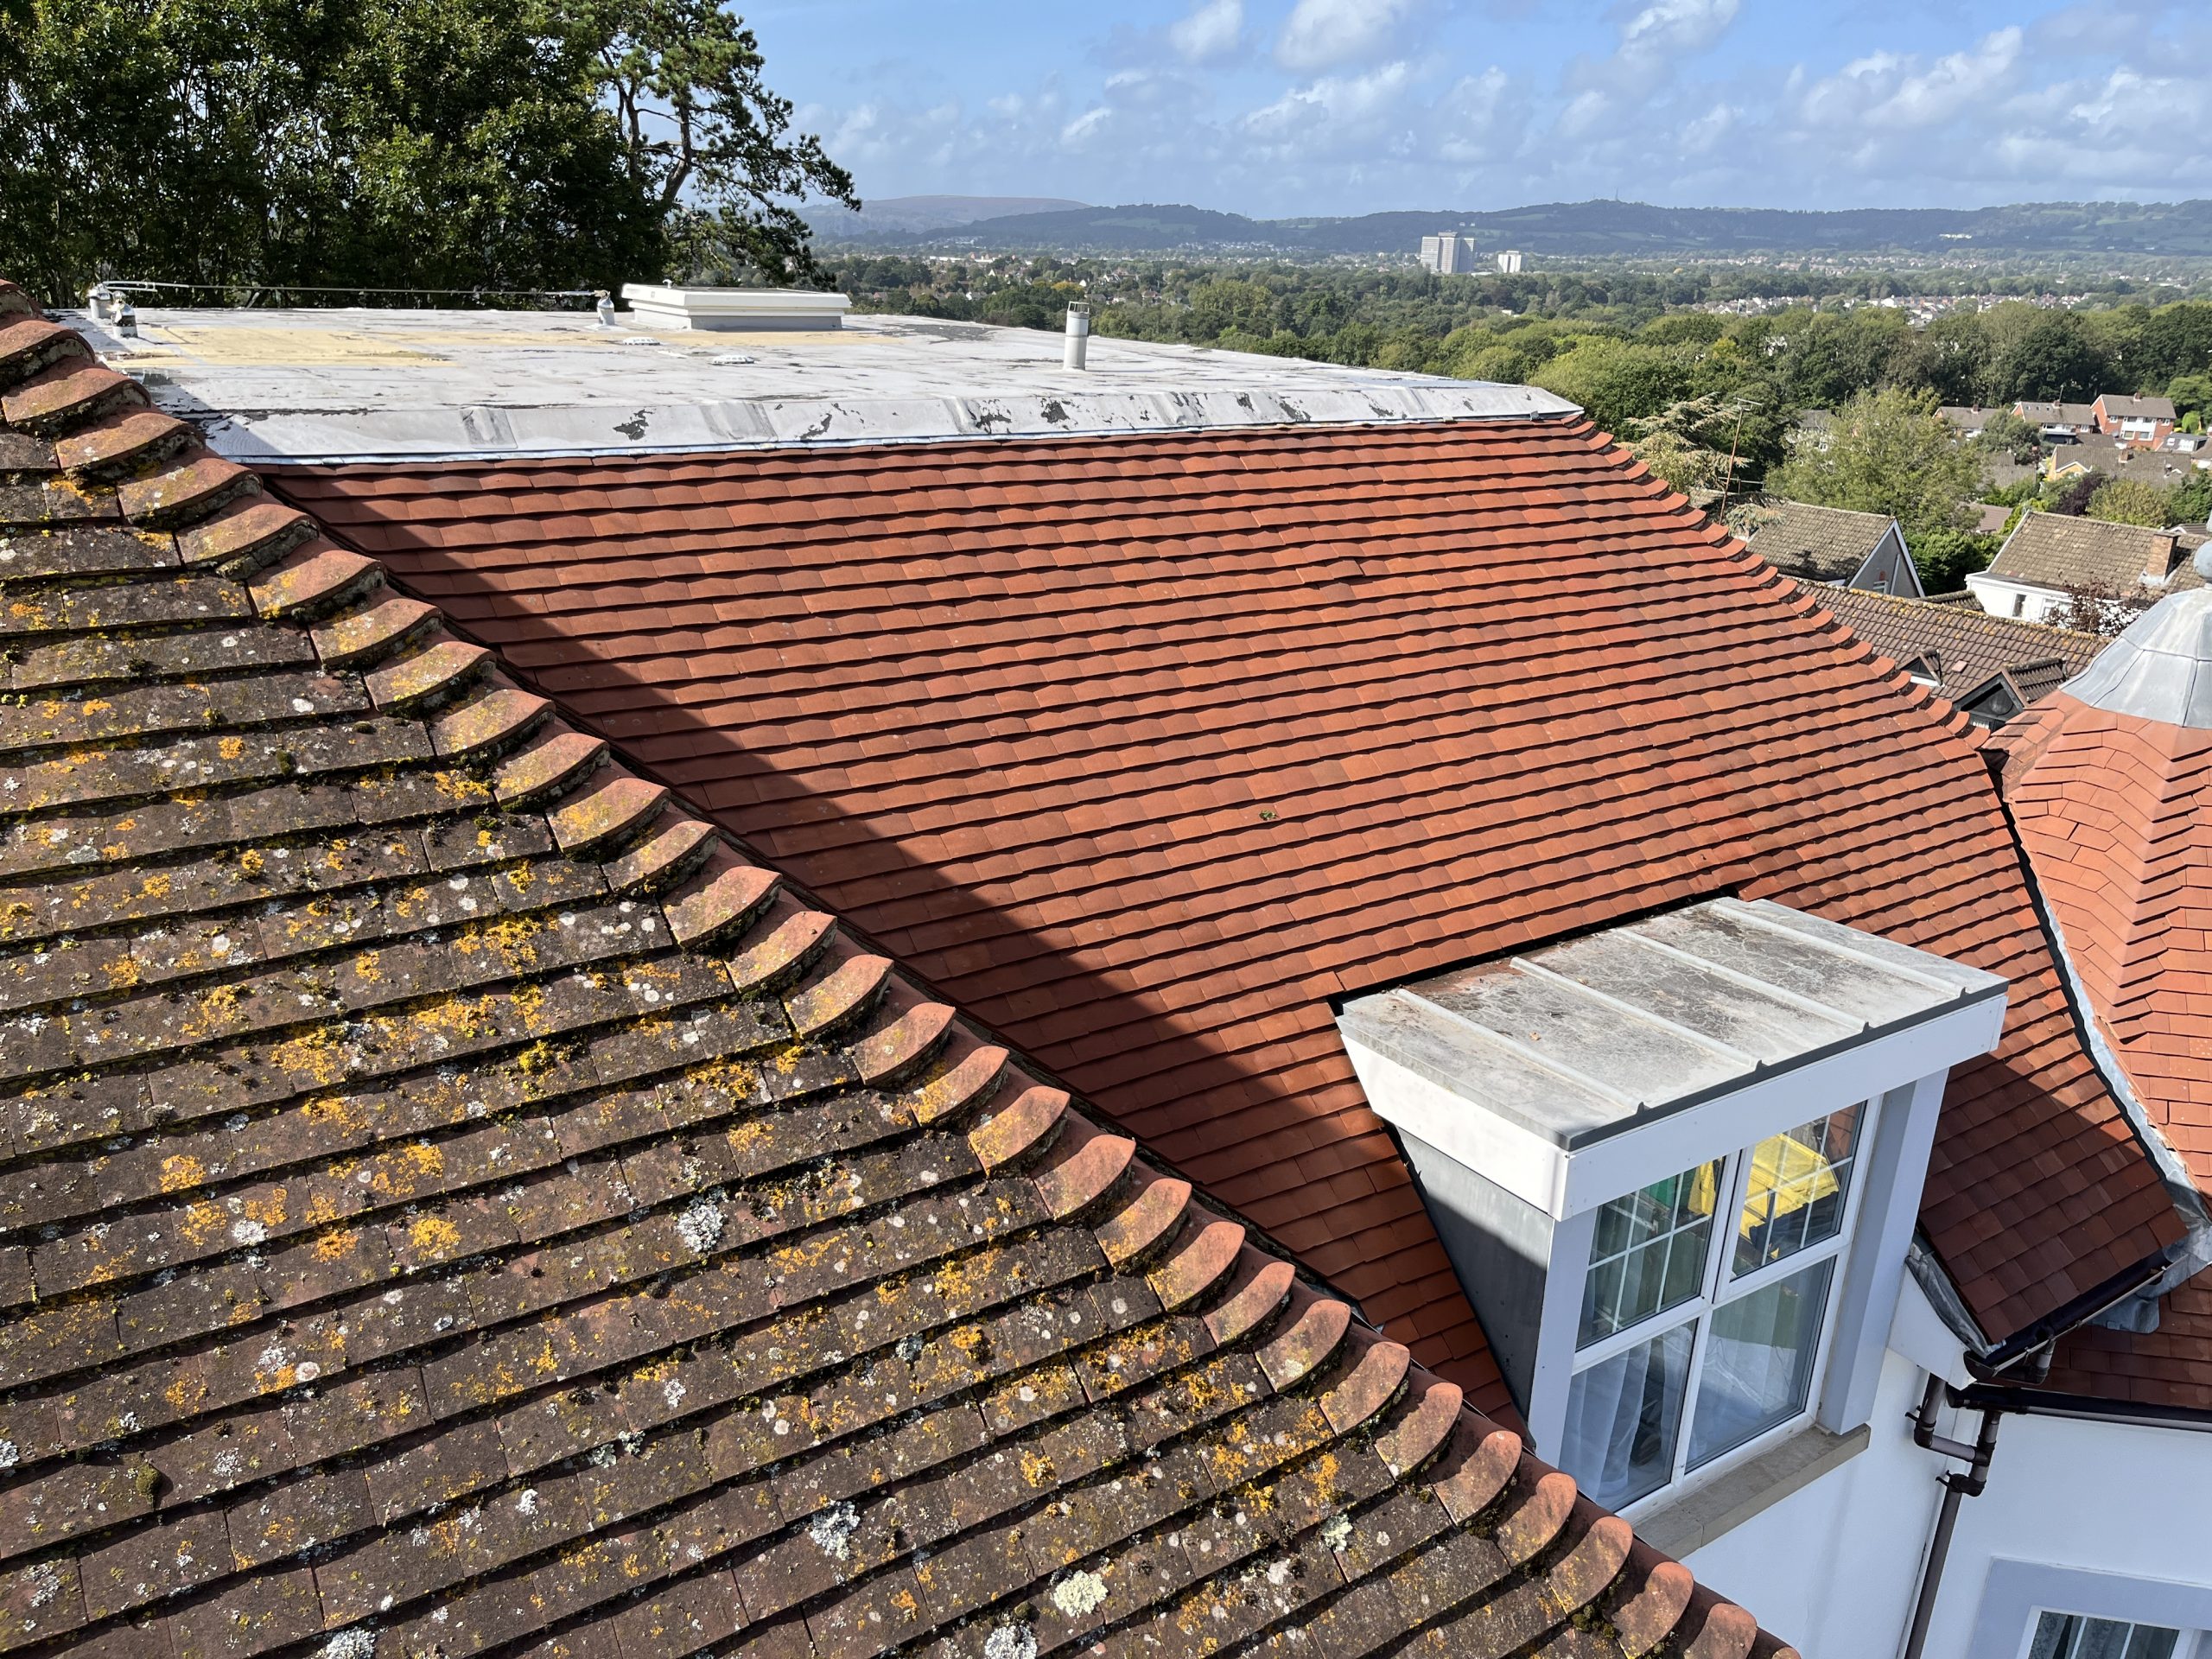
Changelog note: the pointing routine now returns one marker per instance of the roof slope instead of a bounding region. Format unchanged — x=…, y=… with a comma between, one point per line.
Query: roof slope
x=1159, y=745
x=2051, y=549
x=1819, y=543
x=454, y=1204
x=1967, y=645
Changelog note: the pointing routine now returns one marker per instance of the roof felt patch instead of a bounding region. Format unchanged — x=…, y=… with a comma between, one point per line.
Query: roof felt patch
x=411, y=1249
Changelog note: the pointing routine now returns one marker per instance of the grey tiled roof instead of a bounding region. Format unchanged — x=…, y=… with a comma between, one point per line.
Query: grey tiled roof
x=1965, y=644
x=1818, y=543
x=2050, y=549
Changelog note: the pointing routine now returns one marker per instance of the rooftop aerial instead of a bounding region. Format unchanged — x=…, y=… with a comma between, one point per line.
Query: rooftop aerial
x=367, y=384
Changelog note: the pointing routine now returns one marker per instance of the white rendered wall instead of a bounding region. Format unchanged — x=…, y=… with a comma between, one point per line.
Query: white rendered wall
x=1832, y=1569
x=2106, y=1497
x=1996, y=596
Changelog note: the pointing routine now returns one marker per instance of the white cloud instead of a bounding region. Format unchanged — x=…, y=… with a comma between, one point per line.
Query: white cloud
x=1334, y=108
x=1324, y=34
x=1214, y=29
x=1669, y=27
x=1893, y=91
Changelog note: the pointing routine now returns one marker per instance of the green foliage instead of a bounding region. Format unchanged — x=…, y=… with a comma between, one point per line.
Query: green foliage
x=2009, y=436
x=2191, y=395
x=1946, y=555
x=1618, y=381
x=2129, y=501
x=1890, y=453
x=2192, y=501
x=454, y=144
x=2054, y=358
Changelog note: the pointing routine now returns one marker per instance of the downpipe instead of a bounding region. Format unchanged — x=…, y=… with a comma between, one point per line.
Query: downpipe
x=1957, y=1484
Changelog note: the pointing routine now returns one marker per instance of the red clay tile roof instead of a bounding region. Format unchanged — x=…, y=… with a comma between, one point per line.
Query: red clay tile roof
x=1143, y=750
x=452, y=1204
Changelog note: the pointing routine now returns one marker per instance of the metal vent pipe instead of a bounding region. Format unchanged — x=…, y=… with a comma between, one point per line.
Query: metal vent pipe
x=1078, y=344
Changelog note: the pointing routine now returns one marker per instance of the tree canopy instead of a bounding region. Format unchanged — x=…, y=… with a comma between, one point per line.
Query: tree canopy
x=400, y=143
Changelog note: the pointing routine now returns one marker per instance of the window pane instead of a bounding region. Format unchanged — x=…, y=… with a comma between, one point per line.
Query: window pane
x=1621, y=1417
x=1648, y=1252
x=1795, y=1193
x=2067, y=1636
x=1758, y=1362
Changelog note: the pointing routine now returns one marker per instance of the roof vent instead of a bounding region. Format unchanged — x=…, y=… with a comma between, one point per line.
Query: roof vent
x=1078, y=346
x=732, y=310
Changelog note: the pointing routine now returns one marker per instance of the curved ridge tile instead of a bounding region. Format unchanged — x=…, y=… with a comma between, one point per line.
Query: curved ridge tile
x=247, y=535
x=1715, y=1629
x=315, y=576
x=1152, y=1213
x=1258, y=1287
x=1018, y=1129
x=113, y=443
x=494, y=716
x=556, y=759
x=1423, y=1428
x=727, y=893
x=1480, y=1464
x=1082, y=1167
x=841, y=989
x=1654, y=1596
x=1372, y=1383
x=188, y=487
x=1537, y=1513
x=1314, y=1328
x=779, y=945
x=386, y=622
x=434, y=672
x=966, y=1083
x=677, y=844
x=910, y=1031
x=71, y=388
x=1208, y=1248
x=609, y=810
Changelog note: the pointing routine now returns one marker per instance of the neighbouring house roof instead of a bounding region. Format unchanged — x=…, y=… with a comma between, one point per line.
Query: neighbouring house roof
x=2051, y=549
x=2137, y=408
x=1964, y=646
x=454, y=1199
x=2110, y=782
x=1818, y=543
x=2056, y=414
x=1146, y=751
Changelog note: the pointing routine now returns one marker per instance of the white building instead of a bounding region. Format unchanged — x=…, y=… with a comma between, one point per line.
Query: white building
x=1448, y=254
x=2051, y=558
x=1508, y=263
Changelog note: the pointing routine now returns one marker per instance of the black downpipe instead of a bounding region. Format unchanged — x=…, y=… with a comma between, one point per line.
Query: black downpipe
x=1957, y=1485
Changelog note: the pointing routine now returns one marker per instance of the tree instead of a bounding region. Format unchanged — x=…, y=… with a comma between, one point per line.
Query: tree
x=2055, y=358
x=1888, y=452
x=450, y=143
x=2130, y=501
x=2191, y=395
x=1618, y=381
x=2009, y=435
x=2073, y=497
x=2100, y=609
x=2192, y=501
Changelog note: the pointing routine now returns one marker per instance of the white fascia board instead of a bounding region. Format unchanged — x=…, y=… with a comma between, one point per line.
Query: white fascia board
x=1528, y=1166
x=1918, y=1333
x=1765, y=1106
x=1563, y=1183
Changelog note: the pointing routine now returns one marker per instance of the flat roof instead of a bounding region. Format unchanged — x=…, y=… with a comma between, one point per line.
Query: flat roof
x=367, y=385
x=1580, y=1040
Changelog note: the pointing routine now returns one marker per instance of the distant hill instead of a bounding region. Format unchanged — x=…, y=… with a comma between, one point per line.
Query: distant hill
x=906, y=214
x=1590, y=228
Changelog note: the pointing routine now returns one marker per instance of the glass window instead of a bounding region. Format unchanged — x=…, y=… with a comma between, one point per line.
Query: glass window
x=2068, y=1635
x=1648, y=1252
x=1693, y=1339
x=1622, y=1417
x=1758, y=1362
x=1795, y=1190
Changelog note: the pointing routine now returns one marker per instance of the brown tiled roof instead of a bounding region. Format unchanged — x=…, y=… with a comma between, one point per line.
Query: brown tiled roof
x=2117, y=408
x=2115, y=812
x=2056, y=414
x=2050, y=549
x=1967, y=646
x=1818, y=543
x=453, y=1203
x=1144, y=750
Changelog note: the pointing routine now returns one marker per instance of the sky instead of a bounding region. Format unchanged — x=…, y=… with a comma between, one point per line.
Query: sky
x=1285, y=107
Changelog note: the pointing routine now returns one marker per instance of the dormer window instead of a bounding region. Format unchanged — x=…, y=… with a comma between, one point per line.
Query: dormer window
x=1696, y=1340
x=1676, y=1164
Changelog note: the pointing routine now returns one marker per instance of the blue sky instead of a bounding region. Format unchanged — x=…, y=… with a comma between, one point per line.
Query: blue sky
x=1277, y=107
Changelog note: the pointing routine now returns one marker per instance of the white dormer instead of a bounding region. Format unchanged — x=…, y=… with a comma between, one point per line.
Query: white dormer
x=1677, y=1164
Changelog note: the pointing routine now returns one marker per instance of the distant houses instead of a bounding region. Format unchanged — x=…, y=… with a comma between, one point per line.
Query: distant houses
x=2049, y=560
x=1990, y=667
x=1830, y=545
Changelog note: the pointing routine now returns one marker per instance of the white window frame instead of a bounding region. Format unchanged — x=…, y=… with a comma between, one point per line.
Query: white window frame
x=1716, y=1289
x=2191, y=1644
x=2017, y=1593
